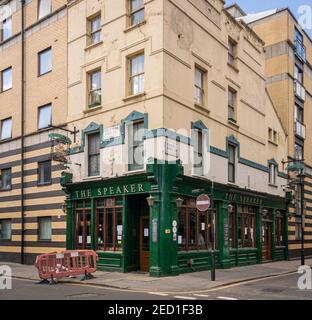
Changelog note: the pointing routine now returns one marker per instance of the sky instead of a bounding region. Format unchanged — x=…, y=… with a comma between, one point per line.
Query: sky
x=250, y=6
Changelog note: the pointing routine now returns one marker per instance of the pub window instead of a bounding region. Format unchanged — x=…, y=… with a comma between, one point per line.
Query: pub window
x=44, y=116
x=82, y=231
x=94, y=154
x=195, y=228
x=45, y=228
x=5, y=229
x=279, y=232
x=231, y=163
x=137, y=74
x=109, y=224
x=232, y=227
x=44, y=173
x=6, y=29
x=246, y=226
x=136, y=133
x=137, y=14
x=5, y=179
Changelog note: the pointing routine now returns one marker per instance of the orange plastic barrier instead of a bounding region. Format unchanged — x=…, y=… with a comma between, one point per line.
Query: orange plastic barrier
x=66, y=263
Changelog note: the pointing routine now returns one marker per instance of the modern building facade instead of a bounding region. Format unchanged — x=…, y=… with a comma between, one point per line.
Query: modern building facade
x=289, y=82
x=170, y=99
x=33, y=67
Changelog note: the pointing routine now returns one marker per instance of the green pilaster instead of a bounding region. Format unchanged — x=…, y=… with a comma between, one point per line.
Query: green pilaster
x=286, y=235
x=70, y=226
x=93, y=245
x=273, y=235
x=258, y=234
x=164, y=253
x=124, y=234
x=224, y=237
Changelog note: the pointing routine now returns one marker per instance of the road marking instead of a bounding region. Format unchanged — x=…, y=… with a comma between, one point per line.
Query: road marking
x=202, y=295
x=159, y=294
x=185, y=298
x=227, y=298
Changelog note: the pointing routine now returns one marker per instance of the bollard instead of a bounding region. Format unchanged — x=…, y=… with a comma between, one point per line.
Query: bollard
x=213, y=267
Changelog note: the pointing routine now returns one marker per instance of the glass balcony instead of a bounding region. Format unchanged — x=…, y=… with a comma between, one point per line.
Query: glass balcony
x=300, y=90
x=300, y=130
x=300, y=50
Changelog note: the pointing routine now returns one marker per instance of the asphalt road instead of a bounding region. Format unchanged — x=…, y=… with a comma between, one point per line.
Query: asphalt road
x=277, y=288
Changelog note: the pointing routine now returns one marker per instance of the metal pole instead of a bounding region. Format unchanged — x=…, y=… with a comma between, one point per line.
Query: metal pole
x=213, y=261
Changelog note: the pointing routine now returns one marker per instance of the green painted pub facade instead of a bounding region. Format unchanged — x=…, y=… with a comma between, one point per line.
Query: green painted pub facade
x=149, y=222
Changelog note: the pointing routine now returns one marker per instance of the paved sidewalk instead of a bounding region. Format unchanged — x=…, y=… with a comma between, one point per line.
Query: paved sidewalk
x=190, y=282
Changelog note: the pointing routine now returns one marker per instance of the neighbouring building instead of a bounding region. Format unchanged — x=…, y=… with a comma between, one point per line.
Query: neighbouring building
x=171, y=102
x=288, y=73
x=33, y=79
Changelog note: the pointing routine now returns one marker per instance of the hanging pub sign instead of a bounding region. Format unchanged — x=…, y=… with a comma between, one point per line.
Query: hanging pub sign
x=59, y=147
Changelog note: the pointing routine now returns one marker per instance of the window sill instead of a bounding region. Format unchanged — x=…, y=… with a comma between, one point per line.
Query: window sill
x=44, y=74
x=233, y=123
x=201, y=107
x=91, y=178
x=44, y=184
x=232, y=184
x=135, y=26
x=273, y=185
x=7, y=90
x=135, y=96
x=129, y=173
x=274, y=143
x=6, y=190
x=92, y=109
x=233, y=67
x=93, y=45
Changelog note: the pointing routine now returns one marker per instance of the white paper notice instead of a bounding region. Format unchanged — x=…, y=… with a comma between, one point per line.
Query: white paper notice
x=119, y=230
x=179, y=239
x=146, y=232
x=203, y=226
x=88, y=239
x=119, y=237
x=80, y=239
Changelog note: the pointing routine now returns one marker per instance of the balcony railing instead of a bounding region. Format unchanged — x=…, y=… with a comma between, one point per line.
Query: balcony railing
x=300, y=50
x=300, y=130
x=300, y=90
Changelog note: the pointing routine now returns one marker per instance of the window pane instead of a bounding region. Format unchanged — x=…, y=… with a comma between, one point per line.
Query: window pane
x=6, y=179
x=44, y=8
x=203, y=227
x=6, y=129
x=45, y=228
x=182, y=229
x=199, y=78
x=45, y=117
x=96, y=24
x=44, y=171
x=45, y=61
x=109, y=228
x=5, y=230
x=136, y=4
x=136, y=11
x=192, y=229
x=137, y=65
x=96, y=80
x=6, y=29
x=6, y=79
x=94, y=154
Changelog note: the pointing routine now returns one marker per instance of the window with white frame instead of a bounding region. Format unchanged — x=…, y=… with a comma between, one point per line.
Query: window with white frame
x=199, y=86
x=231, y=163
x=44, y=116
x=6, y=29
x=272, y=173
x=136, y=133
x=45, y=61
x=137, y=14
x=44, y=8
x=6, y=79
x=6, y=129
x=5, y=229
x=95, y=88
x=137, y=74
x=45, y=228
x=6, y=179
x=95, y=29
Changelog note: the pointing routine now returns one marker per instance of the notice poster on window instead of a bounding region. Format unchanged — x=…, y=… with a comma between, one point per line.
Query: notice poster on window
x=88, y=239
x=80, y=239
x=246, y=231
x=146, y=232
x=119, y=238
x=180, y=239
x=119, y=230
x=203, y=226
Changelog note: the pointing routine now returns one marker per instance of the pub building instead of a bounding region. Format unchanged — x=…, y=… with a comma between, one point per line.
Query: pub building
x=149, y=222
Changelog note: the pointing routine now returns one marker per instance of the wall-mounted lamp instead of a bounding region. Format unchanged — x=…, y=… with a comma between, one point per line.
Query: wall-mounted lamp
x=231, y=207
x=151, y=201
x=179, y=202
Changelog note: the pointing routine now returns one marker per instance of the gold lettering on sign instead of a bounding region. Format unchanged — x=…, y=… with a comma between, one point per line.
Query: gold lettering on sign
x=118, y=191
x=105, y=191
x=99, y=192
x=140, y=186
x=89, y=193
x=133, y=188
x=125, y=189
x=83, y=193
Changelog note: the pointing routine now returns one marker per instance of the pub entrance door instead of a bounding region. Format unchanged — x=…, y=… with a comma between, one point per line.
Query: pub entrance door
x=144, y=243
x=267, y=240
